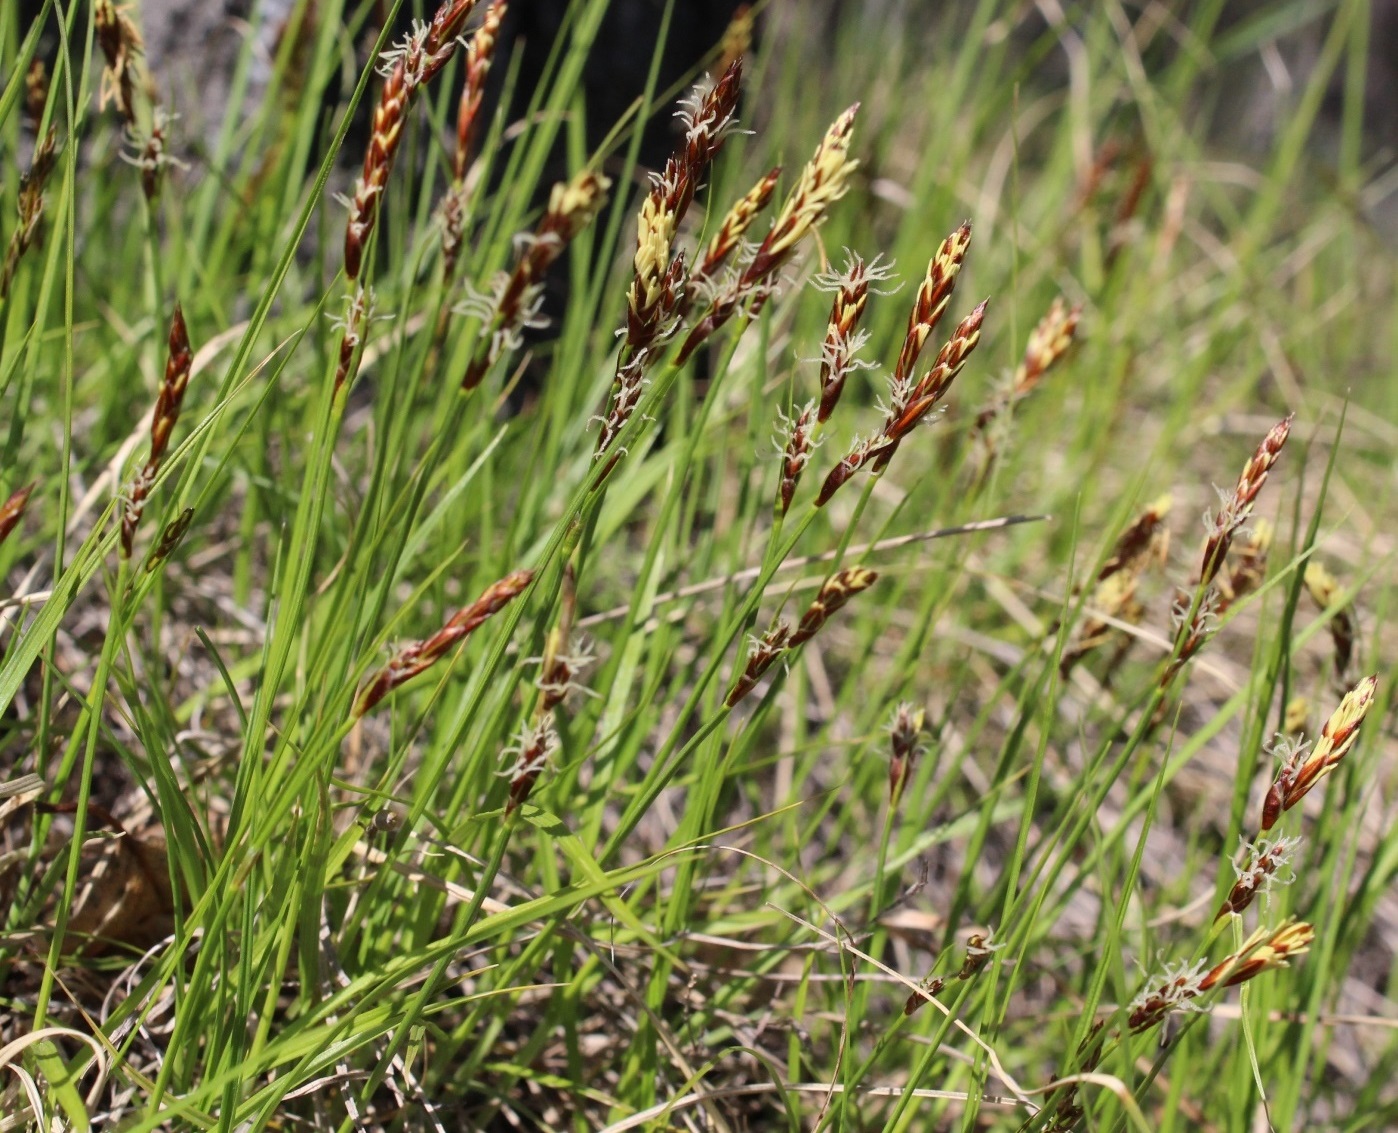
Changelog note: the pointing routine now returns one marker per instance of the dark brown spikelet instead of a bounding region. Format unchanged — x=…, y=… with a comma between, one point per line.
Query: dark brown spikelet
x=1234, y=511
x=12, y=510
x=1324, y=590
x=418, y=656
x=162, y=425
x=1262, y=867
x=839, y=588
x=480, y=53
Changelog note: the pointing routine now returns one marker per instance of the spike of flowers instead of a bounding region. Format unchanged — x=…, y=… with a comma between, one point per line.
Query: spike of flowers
x=932, y=298
x=170, y=539
x=1302, y=769
x=838, y=589
x=572, y=205
x=480, y=53
x=1265, y=950
x=731, y=230
x=1262, y=867
x=120, y=43
x=1236, y=507
x=796, y=452
x=12, y=510
x=1247, y=565
x=908, y=405
x=418, y=656
x=823, y=181
x=536, y=742
x=839, y=352
x=407, y=67
x=163, y=420
x=1048, y=342
x=764, y=651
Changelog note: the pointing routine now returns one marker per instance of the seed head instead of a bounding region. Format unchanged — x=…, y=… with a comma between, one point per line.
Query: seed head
x=1300, y=772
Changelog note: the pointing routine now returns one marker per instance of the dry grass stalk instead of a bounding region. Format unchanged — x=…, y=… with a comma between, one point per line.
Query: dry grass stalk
x=1324, y=590
x=1265, y=950
x=31, y=209
x=1236, y=507
x=418, y=656
x=909, y=404
x=837, y=590
x=162, y=425
x=1302, y=769
x=406, y=68
x=823, y=181
x=12, y=510
x=120, y=43
x=571, y=207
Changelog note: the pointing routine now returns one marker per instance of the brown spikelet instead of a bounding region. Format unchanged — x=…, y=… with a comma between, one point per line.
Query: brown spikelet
x=823, y=181
x=121, y=46
x=421, y=56
x=933, y=295
x=1265, y=950
x=1302, y=770
x=572, y=205
x=163, y=420
x=12, y=510
x=764, y=651
x=418, y=656
x=480, y=53
x=735, y=225
x=839, y=588
x=1235, y=509
x=795, y=455
x=170, y=539
x=737, y=37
